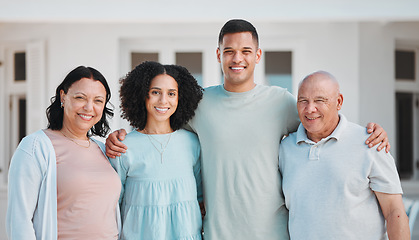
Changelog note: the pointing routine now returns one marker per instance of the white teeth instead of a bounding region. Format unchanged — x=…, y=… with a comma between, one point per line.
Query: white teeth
x=162, y=109
x=85, y=116
x=237, y=68
x=311, y=118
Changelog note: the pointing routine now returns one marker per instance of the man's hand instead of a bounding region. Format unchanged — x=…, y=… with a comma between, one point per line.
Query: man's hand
x=378, y=135
x=114, y=146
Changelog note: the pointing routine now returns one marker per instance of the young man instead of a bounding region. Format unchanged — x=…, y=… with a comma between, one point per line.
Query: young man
x=334, y=186
x=240, y=125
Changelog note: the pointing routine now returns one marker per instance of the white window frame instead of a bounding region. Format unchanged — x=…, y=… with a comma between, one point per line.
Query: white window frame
x=403, y=85
x=280, y=44
x=32, y=89
x=409, y=86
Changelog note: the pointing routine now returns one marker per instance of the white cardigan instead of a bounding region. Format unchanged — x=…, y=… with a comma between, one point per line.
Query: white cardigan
x=32, y=190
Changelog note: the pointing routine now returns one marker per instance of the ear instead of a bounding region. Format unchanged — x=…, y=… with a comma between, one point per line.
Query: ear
x=258, y=55
x=62, y=94
x=340, y=101
x=218, y=52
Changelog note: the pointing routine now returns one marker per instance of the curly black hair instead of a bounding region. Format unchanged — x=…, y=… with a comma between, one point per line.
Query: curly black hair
x=55, y=113
x=136, y=85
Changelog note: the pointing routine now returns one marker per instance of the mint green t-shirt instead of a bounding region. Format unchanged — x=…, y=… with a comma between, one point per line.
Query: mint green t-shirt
x=239, y=135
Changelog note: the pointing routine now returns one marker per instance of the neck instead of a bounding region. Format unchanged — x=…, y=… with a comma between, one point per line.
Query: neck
x=74, y=134
x=317, y=137
x=157, y=128
x=243, y=87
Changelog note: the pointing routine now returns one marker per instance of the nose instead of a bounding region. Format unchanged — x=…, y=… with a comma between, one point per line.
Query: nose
x=311, y=107
x=88, y=106
x=238, y=57
x=163, y=98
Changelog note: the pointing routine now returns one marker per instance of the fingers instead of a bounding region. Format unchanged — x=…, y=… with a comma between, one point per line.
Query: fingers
x=114, y=147
x=121, y=134
x=385, y=144
x=379, y=136
x=112, y=154
x=373, y=139
x=370, y=127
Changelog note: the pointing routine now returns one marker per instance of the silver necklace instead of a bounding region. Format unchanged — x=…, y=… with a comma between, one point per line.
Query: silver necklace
x=162, y=148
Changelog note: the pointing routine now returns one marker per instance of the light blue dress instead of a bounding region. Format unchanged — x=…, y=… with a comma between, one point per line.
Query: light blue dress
x=159, y=198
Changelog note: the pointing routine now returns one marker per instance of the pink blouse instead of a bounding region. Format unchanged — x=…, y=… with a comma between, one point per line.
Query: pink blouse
x=88, y=190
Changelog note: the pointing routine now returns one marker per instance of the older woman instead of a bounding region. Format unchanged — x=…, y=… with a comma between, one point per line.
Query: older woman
x=61, y=185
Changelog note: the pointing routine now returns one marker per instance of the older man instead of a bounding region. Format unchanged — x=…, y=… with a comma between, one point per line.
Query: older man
x=336, y=187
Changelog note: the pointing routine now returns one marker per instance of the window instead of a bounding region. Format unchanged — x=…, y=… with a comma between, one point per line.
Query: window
x=21, y=118
x=22, y=83
x=20, y=66
x=405, y=65
x=278, y=69
x=139, y=57
x=193, y=62
x=404, y=123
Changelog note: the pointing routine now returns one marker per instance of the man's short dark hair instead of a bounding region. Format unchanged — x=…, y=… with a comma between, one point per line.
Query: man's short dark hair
x=238, y=26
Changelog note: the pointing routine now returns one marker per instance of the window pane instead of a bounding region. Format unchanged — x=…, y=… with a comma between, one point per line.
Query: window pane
x=138, y=57
x=404, y=121
x=20, y=66
x=193, y=62
x=22, y=118
x=405, y=65
x=278, y=69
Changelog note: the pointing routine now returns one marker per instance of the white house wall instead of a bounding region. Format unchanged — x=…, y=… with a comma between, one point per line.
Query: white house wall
x=377, y=94
x=360, y=55
x=331, y=47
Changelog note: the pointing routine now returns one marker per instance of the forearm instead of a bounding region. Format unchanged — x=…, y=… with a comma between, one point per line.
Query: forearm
x=398, y=225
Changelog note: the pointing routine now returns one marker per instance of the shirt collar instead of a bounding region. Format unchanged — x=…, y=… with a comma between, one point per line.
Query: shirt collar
x=302, y=135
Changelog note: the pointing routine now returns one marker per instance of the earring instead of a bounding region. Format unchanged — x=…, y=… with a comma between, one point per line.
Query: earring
x=61, y=105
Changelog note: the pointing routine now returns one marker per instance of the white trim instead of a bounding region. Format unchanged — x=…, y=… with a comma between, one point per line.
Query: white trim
x=415, y=137
x=12, y=92
x=294, y=45
x=412, y=87
x=403, y=85
x=36, y=86
x=32, y=89
x=3, y=103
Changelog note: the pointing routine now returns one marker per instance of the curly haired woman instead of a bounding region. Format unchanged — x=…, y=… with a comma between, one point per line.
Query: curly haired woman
x=160, y=172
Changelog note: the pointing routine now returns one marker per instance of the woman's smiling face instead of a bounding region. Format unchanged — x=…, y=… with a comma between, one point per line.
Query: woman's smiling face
x=83, y=105
x=162, y=98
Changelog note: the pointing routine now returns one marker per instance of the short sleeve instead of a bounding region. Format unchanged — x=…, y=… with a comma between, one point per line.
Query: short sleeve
x=383, y=175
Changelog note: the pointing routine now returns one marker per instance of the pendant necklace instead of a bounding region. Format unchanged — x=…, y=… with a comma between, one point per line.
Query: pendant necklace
x=162, y=148
x=73, y=140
